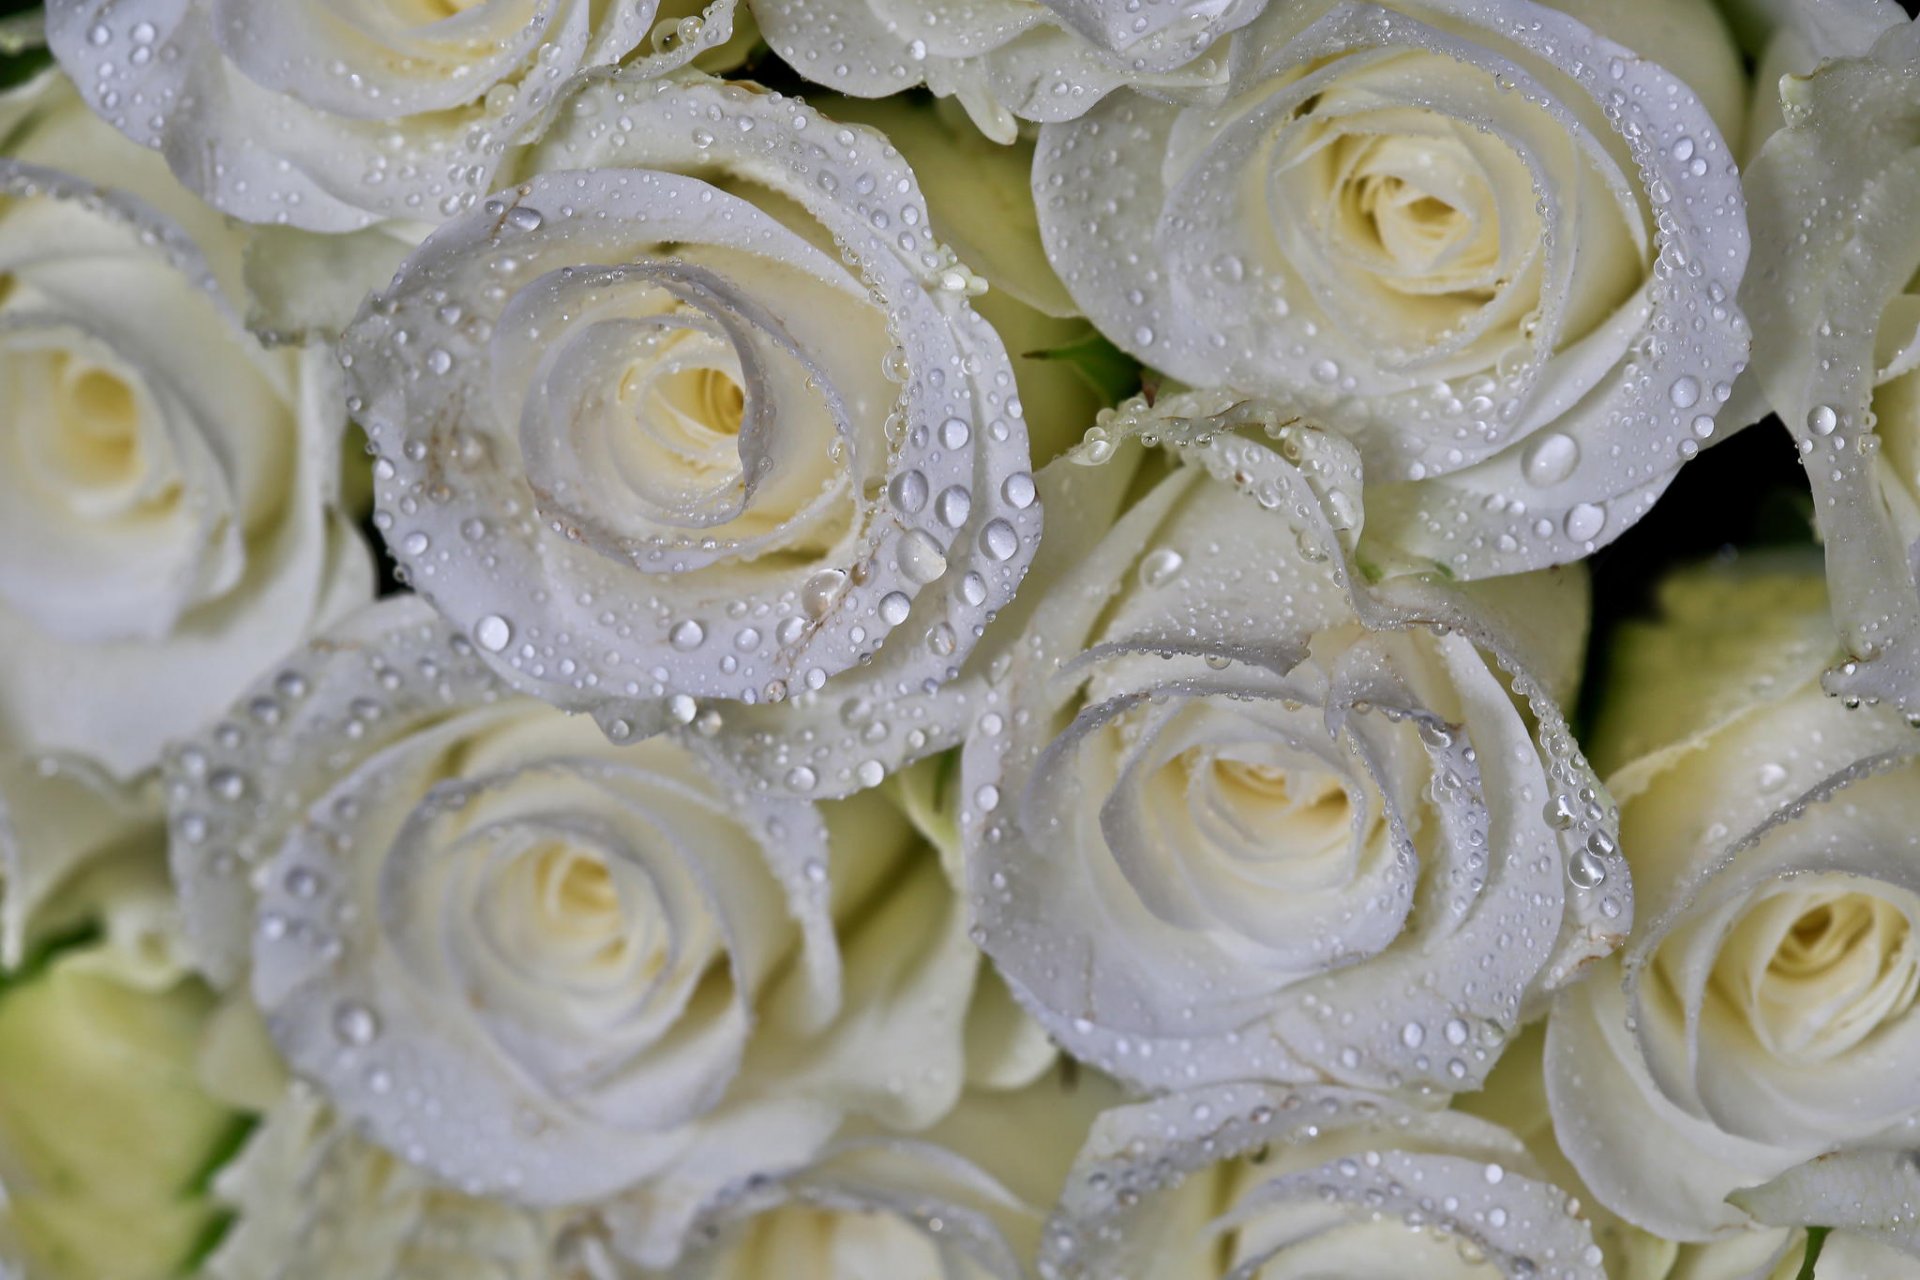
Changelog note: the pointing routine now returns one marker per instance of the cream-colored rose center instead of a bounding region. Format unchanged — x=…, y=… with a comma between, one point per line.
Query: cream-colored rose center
x=1276, y=799
x=708, y=402
x=577, y=924
x=1418, y=212
x=1818, y=970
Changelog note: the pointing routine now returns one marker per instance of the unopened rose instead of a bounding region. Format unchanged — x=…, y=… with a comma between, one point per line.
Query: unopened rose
x=168, y=517
x=1494, y=243
x=699, y=412
x=1762, y=1013
x=546, y=968
x=326, y=117
x=105, y=1132
x=1230, y=812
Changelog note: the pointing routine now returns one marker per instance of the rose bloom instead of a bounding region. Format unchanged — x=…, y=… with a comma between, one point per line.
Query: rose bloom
x=1515, y=1097
x=542, y=967
x=1260, y=1180
x=169, y=519
x=328, y=116
x=1492, y=243
x=1230, y=812
x=699, y=411
x=1762, y=1013
x=1837, y=340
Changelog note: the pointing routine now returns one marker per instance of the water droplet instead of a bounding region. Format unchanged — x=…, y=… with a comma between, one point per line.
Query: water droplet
x=920, y=557
x=1550, y=459
x=999, y=540
x=1018, y=491
x=1159, y=567
x=953, y=506
x=822, y=591
x=1685, y=391
x=908, y=492
x=355, y=1024
x=1821, y=420
x=492, y=633
x=954, y=433
x=1586, y=869
x=524, y=218
x=1585, y=521
x=687, y=635
x=894, y=607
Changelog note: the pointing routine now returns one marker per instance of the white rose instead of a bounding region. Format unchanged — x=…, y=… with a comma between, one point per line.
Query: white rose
x=1002, y=59
x=550, y=969
x=1837, y=339
x=306, y=113
x=167, y=516
x=650, y=437
x=1762, y=1012
x=1515, y=1097
x=1257, y=1180
x=1231, y=813
x=964, y=1201
x=1495, y=247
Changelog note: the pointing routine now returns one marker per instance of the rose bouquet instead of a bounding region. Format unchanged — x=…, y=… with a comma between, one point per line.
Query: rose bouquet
x=915, y=640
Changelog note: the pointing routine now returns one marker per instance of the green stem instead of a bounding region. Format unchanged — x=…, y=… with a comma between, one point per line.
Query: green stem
x=1816, y=1241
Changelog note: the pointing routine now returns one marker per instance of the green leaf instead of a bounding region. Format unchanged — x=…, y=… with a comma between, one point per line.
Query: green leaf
x=217, y=1225
x=225, y=1147
x=1112, y=373
x=1816, y=1241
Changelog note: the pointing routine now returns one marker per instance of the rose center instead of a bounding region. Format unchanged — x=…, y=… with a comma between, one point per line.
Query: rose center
x=1418, y=213
x=580, y=921
x=1820, y=970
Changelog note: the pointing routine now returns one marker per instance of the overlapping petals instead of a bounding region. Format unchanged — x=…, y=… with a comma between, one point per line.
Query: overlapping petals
x=1763, y=1013
x=329, y=116
x=168, y=502
x=1008, y=59
x=541, y=967
x=1496, y=249
x=1837, y=335
x=1257, y=1180
x=1232, y=813
x=699, y=411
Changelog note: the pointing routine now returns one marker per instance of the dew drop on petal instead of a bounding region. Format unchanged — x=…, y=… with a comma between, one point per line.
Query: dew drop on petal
x=492, y=633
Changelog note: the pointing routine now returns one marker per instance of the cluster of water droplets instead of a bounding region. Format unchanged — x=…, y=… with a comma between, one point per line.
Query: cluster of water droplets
x=264, y=110
x=1445, y=1178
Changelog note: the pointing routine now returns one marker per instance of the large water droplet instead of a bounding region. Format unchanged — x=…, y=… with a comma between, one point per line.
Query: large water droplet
x=1550, y=459
x=1585, y=521
x=492, y=633
x=1159, y=566
x=921, y=558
